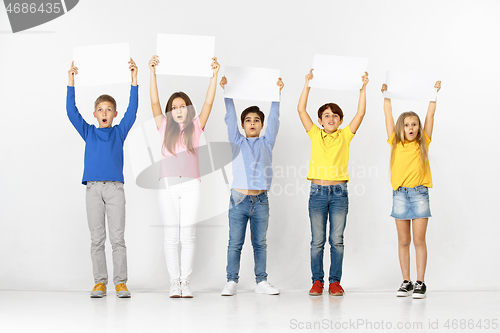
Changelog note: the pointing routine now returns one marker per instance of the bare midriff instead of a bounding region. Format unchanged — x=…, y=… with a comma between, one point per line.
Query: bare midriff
x=249, y=192
x=323, y=182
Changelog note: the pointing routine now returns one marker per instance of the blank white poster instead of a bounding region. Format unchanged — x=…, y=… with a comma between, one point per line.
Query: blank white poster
x=338, y=72
x=411, y=85
x=250, y=83
x=102, y=64
x=185, y=55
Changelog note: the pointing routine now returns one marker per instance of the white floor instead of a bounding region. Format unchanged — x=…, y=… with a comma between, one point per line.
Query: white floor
x=28, y=311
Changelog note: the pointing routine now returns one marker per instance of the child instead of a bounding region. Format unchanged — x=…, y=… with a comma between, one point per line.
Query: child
x=252, y=170
x=103, y=175
x=410, y=179
x=179, y=192
x=328, y=173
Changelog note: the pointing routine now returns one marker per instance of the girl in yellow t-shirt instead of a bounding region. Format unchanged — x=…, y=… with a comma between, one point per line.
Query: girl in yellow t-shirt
x=410, y=179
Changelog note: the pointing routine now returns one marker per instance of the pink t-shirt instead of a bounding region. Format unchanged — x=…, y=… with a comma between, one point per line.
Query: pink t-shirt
x=183, y=163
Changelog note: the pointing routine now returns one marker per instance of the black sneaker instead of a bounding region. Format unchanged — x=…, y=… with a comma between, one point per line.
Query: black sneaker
x=420, y=290
x=406, y=289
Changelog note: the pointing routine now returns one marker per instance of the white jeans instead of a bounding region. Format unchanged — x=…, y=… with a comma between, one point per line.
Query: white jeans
x=178, y=208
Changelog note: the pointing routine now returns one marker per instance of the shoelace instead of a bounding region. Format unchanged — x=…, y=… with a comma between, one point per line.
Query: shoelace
x=418, y=286
x=405, y=285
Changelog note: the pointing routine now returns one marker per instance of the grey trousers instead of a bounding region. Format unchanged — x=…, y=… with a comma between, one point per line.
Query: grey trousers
x=107, y=198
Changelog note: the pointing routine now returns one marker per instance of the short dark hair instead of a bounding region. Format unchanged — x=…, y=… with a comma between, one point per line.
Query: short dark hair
x=105, y=98
x=252, y=109
x=333, y=107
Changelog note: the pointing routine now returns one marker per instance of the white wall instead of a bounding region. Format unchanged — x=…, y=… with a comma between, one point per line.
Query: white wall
x=44, y=239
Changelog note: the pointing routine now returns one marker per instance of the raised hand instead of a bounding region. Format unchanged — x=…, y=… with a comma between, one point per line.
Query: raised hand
x=365, y=80
x=153, y=63
x=71, y=74
x=438, y=85
x=280, y=83
x=309, y=76
x=215, y=66
x=223, y=82
x=133, y=69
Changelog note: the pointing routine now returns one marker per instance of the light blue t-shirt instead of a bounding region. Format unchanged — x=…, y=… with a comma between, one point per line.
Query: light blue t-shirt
x=252, y=157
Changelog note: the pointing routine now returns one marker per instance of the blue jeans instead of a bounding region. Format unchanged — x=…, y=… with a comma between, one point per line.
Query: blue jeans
x=328, y=201
x=242, y=208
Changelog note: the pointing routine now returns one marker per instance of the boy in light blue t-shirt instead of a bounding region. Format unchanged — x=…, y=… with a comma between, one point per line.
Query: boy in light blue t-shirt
x=252, y=171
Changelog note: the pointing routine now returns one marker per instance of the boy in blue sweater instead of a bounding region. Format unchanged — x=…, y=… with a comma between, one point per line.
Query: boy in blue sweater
x=252, y=171
x=103, y=176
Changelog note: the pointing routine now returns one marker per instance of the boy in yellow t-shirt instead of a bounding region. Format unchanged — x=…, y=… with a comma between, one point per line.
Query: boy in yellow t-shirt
x=328, y=173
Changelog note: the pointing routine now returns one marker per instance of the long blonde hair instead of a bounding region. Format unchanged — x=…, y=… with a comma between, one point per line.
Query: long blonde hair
x=420, y=139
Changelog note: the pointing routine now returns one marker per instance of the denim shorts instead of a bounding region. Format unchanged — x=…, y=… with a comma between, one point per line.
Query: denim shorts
x=411, y=203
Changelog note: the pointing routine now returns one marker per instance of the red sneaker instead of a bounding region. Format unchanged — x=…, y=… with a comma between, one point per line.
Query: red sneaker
x=317, y=289
x=335, y=289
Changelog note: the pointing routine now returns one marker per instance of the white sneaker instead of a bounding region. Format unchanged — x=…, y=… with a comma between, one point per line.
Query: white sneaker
x=229, y=289
x=264, y=287
x=175, y=289
x=186, y=290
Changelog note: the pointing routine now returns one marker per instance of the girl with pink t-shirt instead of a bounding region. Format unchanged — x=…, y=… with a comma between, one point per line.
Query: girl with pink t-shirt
x=179, y=191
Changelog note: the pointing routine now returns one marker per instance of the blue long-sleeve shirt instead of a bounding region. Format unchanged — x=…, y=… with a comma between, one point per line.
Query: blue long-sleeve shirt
x=103, y=146
x=252, y=157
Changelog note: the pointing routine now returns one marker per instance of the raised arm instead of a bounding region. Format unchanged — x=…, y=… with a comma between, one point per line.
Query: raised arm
x=73, y=114
x=273, y=122
x=304, y=116
x=358, y=118
x=429, y=118
x=389, y=120
x=209, y=99
x=153, y=92
x=71, y=74
x=231, y=120
x=131, y=114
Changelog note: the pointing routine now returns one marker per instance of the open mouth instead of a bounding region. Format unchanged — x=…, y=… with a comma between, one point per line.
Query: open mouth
x=104, y=121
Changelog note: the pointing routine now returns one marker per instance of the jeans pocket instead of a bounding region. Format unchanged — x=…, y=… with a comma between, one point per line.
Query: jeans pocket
x=423, y=190
x=236, y=198
x=314, y=191
x=118, y=185
x=264, y=200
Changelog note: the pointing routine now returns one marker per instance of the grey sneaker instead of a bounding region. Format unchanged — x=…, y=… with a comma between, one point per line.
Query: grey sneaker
x=99, y=290
x=186, y=290
x=122, y=291
x=229, y=289
x=406, y=289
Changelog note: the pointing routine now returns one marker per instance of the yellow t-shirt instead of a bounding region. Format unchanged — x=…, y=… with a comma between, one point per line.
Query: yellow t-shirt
x=405, y=171
x=329, y=154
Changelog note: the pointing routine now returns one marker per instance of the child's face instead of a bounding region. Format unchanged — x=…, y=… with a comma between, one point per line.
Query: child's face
x=330, y=121
x=179, y=110
x=411, y=128
x=104, y=113
x=252, y=125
